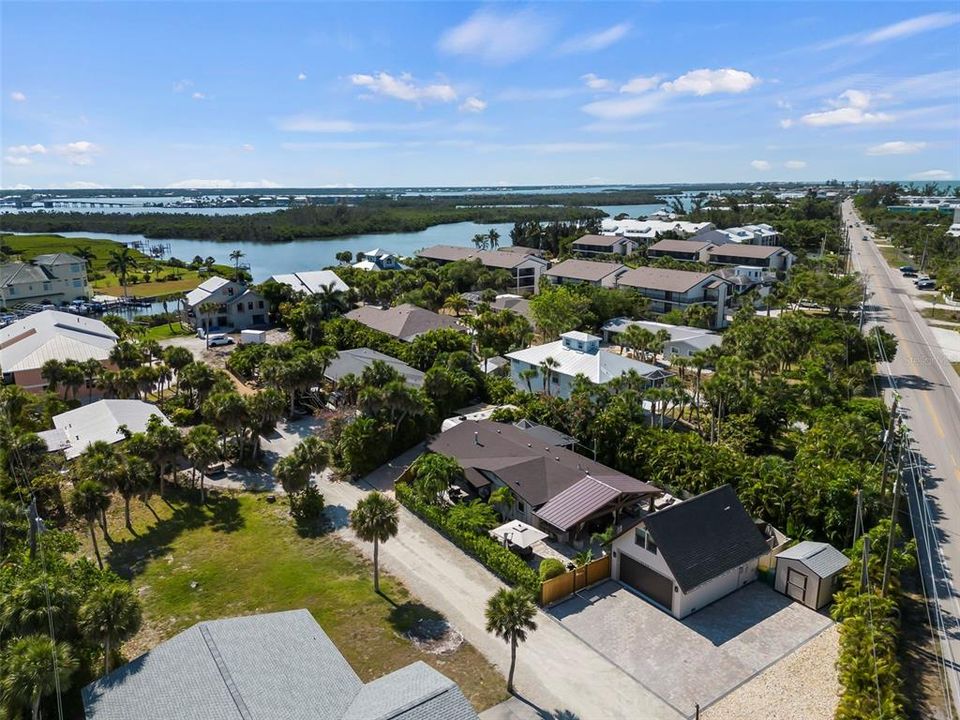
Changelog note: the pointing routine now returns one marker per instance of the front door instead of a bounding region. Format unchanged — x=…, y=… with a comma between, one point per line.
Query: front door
x=796, y=585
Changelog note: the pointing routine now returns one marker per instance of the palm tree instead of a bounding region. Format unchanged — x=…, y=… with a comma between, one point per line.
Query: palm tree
x=110, y=615
x=547, y=367
x=494, y=238
x=502, y=499
x=528, y=375
x=510, y=616
x=433, y=475
x=166, y=442
x=88, y=501
x=91, y=371
x=84, y=253
x=34, y=667
x=121, y=262
x=455, y=304
x=235, y=256
x=376, y=519
x=52, y=372
x=134, y=480
x=201, y=450
x=480, y=241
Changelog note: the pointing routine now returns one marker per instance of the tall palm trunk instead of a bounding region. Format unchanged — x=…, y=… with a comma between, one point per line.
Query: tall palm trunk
x=126, y=512
x=106, y=653
x=35, y=707
x=513, y=663
x=93, y=539
x=376, y=565
x=103, y=525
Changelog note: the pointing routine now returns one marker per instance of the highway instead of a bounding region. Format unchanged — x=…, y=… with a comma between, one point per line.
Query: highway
x=929, y=392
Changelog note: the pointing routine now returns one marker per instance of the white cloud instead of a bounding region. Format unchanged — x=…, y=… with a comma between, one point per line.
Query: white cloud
x=620, y=108
x=760, y=164
x=932, y=175
x=896, y=147
x=302, y=76
x=914, y=26
x=80, y=152
x=305, y=123
x=497, y=37
x=83, y=185
x=849, y=109
x=18, y=96
x=593, y=42
x=707, y=82
x=182, y=85
x=36, y=149
x=17, y=160
x=198, y=96
x=403, y=87
x=595, y=82
x=784, y=105
x=641, y=84
x=247, y=147
x=222, y=184
x=795, y=164
x=473, y=105
x=786, y=123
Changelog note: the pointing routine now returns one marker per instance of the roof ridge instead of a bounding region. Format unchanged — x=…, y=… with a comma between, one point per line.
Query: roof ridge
x=421, y=700
x=224, y=671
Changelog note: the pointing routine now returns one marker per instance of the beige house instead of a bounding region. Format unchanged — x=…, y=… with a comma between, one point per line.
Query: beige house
x=50, y=335
x=523, y=264
x=579, y=272
x=678, y=290
x=218, y=304
x=47, y=279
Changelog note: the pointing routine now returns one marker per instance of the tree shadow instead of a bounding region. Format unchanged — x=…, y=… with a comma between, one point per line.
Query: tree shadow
x=225, y=513
x=415, y=618
x=544, y=714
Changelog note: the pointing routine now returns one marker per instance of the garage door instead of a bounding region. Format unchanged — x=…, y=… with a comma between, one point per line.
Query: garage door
x=649, y=582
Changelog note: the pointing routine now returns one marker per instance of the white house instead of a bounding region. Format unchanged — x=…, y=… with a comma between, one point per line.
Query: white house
x=650, y=230
x=761, y=234
x=575, y=353
x=684, y=340
x=312, y=282
x=49, y=279
x=690, y=554
x=76, y=429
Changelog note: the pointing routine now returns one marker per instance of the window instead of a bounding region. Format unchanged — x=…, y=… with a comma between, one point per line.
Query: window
x=46, y=286
x=239, y=307
x=250, y=305
x=78, y=283
x=260, y=304
x=74, y=267
x=643, y=539
x=521, y=507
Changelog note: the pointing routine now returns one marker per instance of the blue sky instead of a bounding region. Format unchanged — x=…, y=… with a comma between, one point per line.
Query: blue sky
x=124, y=94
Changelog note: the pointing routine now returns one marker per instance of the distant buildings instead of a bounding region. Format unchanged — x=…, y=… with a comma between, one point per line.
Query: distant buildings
x=47, y=279
x=525, y=268
x=404, y=322
x=575, y=353
x=761, y=234
x=50, y=335
x=218, y=304
x=266, y=667
x=76, y=429
x=650, y=230
x=312, y=282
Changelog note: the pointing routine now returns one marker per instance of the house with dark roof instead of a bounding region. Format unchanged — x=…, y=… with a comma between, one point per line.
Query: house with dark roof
x=404, y=322
x=524, y=267
x=683, y=250
x=578, y=272
x=768, y=257
x=603, y=245
x=687, y=555
x=355, y=361
x=540, y=473
x=266, y=667
x=669, y=290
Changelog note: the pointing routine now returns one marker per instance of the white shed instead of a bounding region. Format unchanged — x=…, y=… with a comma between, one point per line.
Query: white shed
x=808, y=572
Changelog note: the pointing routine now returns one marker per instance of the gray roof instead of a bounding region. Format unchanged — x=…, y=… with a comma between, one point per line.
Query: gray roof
x=58, y=259
x=662, y=279
x=705, y=536
x=278, y=666
x=590, y=496
x=599, y=240
x=355, y=361
x=101, y=421
x=545, y=433
x=53, y=335
x=821, y=558
x=405, y=321
x=13, y=273
x=737, y=250
x=586, y=270
x=682, y=246
x=487, y=258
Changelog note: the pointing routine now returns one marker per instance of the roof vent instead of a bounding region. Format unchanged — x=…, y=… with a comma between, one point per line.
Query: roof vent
x=557, y=458
x=476, y=438
x=529, y=445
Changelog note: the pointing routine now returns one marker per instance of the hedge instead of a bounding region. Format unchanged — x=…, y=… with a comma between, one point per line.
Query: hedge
x=494, y=556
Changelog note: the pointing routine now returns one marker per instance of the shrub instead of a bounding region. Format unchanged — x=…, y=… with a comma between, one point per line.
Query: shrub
x=307, y=509
x=498, y=559
x=181, y=416
x=551, y=568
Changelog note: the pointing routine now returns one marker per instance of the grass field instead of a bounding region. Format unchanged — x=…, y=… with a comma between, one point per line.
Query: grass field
x=247, y=557
x=29, y=246
x=163, y=332
x=956, y=366
x=894, y=256
x=941, y=313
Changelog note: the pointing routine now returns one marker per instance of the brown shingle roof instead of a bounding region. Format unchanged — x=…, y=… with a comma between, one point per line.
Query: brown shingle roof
x=586, y=270
x=598, y=240
x=487, y=258
x=746, y=251
x=446, y=253
x=662, y=279
x=685, y=246
x=403, y=321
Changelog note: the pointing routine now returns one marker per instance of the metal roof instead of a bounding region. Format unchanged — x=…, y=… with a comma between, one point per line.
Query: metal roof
x=588, y=497
x=278, y=666
x=311, y=281
x=53, y=335
x=102, y=421
x=355, y=361
x=598, y=367
x=821, y=558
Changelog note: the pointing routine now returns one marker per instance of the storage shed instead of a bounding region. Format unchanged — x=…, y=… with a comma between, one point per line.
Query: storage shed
x=808, y=572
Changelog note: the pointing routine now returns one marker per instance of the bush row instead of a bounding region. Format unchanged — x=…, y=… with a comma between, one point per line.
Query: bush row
x=494, y=556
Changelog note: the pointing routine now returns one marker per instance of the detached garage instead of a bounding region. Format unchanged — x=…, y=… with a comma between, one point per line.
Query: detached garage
x=686, y=556
x=808, y=572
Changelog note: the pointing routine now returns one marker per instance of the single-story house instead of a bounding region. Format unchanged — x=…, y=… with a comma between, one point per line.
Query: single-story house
x=768, y=257
x=28, y=343
x=603, y=245
x=679, y=289
x=404, y=322
x=355, y=361
x=76, y=429
x=809, y=572
x=684, y=340
x=683, y=250
x=312, y=282
x=218, y=304
x=537, y=472
x=524, y=267
x=575, y=353
x=686, y=556
x=266, y=667
x=577, y=272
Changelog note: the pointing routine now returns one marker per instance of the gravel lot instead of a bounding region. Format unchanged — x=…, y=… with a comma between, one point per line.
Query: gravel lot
x=802, y=686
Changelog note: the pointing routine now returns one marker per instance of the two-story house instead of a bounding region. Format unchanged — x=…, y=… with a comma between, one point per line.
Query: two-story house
x=683, y=250
x=524, y=264
x=579, y=272
x=54, y=279
x=377, y=259
x=218, y=304
x=603, y=245
x=768, y=257
x=669, y=290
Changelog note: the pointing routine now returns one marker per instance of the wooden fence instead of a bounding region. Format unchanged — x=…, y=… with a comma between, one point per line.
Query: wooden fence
x=567, y=584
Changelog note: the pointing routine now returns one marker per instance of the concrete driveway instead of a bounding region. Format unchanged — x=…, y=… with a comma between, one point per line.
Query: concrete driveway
x=696, y=660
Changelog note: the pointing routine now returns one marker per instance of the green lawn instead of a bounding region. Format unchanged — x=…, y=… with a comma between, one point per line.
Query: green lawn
x=894, y=256
x=956, y=366
x=247, y=557
x=162, y=332
x=941, y=313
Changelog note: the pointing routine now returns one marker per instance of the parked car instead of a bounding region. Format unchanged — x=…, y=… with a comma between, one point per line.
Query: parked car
x=926, y=284
x=910, y=274
x=907, y=269
x=215, y=340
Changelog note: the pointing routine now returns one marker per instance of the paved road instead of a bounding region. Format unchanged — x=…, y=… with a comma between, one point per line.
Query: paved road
x=930, y=396
x=559, y=676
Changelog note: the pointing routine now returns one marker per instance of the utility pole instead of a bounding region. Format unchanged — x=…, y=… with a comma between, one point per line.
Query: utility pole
x=32, y=521
x=897, y=489
x=889, y=436
x=863, y=305
x=864, y=569
x=856, y=522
